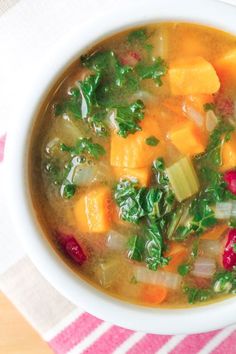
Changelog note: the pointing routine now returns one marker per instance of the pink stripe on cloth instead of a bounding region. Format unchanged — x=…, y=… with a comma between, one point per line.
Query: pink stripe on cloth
x=227, y=346
x=193, y=343
x=109, y=341
x=74, y=333
x=149, y=344
x=2, y=145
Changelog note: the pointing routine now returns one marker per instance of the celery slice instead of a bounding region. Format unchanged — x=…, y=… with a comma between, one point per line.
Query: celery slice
x=183, y=179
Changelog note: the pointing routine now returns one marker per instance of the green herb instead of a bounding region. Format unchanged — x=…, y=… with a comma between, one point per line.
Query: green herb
x=209, y=107
x=212, y=155
x=83, y=146
x=197, y=294
x=234, y=247
x=81, y=98
x=224, y=282
x=136, y=203
x=195, y=246
x=152, y=141
x=139, y=35
x=184, y=269
x=128, y=118
x=154, y=247
x=68, y=191
x=135, y=248
x=159, y=171
x=153, y=71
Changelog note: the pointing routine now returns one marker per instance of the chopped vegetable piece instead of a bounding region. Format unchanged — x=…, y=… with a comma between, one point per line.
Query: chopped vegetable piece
x=177, y=254
x=115, y=241
x=199, y=102
x=107, y=271
x=93, y=210
x=204, y=267
x=154, y=294
x=191, y=76
x=225, y=67
x=140, y=175
x=85, y=145
x=133, y=152
x=128, y=118
x=183, y=179
x=215, y=233
x=136, y=248
x=152, y=141
x=183, y=269
x=197, y=294
x=229, y=256
x=224, y=282
x=167, y=279
x=154, y=71
x=188, y=138
x=228, y=152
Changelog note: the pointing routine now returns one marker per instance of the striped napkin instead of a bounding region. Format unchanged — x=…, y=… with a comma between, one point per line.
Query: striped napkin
x=66, y=328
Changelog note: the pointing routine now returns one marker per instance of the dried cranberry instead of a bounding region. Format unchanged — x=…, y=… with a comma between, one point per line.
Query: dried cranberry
x=225, y=105
x=131, y=58
x=230, y=179
x=229, y=255
x=71, y=247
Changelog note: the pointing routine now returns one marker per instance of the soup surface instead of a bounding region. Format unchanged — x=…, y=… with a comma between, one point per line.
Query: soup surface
x=132, y=165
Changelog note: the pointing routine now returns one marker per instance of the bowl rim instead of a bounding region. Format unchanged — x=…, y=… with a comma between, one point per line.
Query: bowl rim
x=149, y=320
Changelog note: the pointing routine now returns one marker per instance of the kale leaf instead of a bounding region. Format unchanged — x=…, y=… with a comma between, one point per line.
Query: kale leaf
x=136, y=248
x=128, y=117
x=139, y=35
x=197, y=294
x=153, y=71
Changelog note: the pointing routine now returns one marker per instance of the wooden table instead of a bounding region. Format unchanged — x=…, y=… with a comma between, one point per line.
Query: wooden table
x=16, y=335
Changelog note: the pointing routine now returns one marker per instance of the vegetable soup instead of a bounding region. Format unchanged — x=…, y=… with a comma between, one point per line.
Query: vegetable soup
x=132, y=165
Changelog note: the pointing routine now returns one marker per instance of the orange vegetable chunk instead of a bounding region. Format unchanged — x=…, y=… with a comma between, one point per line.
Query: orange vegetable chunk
x=228, y=152
x=133, y=151
x=226, y=67
x=92, y=210
x=143, y=174
x=178, y=253
x=154, y=294
x=187, y=138
x=191, y=76
x=215, y=232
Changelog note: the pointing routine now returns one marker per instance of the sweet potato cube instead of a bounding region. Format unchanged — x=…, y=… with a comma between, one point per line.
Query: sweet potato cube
x=143, y=174
x=187, y=138
x=93, y=210
x=226, y=67
x=178, y=254
x=133, y=151
x=192, y=76
x=229, y=154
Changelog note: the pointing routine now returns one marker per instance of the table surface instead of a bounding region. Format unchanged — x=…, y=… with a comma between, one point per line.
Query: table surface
x=16, y=335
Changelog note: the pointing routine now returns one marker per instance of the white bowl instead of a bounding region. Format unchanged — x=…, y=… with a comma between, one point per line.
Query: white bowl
x=161, y=321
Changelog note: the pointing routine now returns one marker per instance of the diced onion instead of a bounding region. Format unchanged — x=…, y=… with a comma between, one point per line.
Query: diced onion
x=204, y=267
x=225, y=210
x=159, y=277
x=115, y=241
x=160, y=41
x=194, y=115
x=211, y=121
x=106, y=272
x=210, y=248
x=84, y=175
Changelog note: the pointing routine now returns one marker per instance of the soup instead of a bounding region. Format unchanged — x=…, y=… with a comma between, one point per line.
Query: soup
x=132, y=165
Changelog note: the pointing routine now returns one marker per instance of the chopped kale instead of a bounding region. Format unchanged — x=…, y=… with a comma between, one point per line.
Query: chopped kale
x=209, y=107
x=184, y=269
x=136, y=248
x=197, y=294
x=225, y=282
x=139, y=35
x=154, y=71
x=152, y=141
x=68, y=191
x=128, y=118
x=85, y=146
